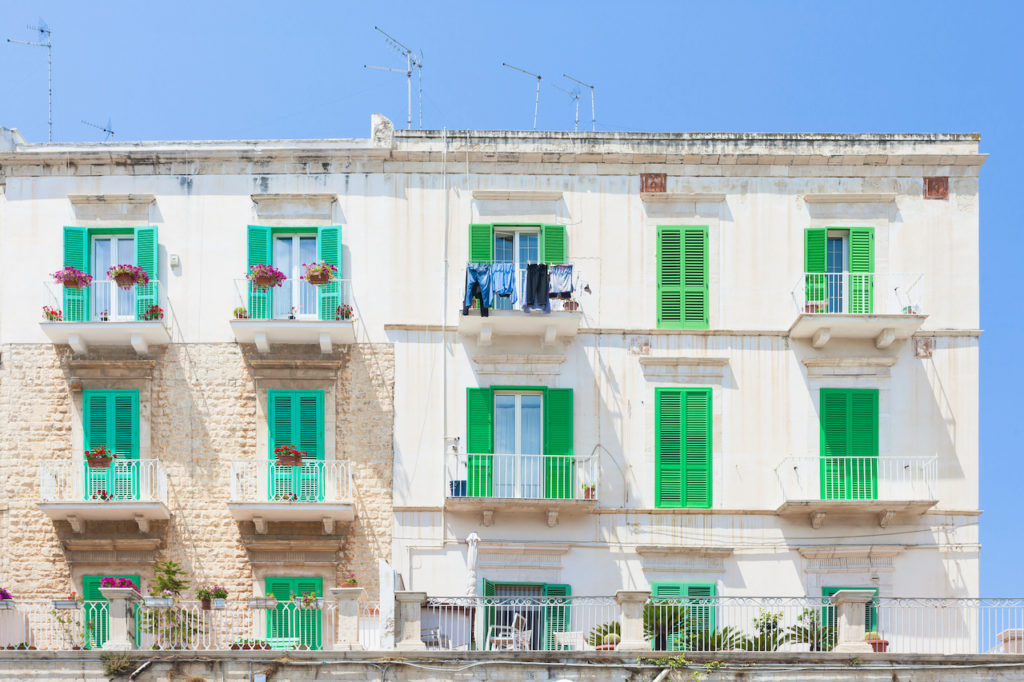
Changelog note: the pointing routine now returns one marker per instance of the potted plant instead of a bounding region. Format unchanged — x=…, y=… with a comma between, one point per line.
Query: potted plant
x=292, y=313
x=268, y=602
x=351, y=580
x=99, y=457
x=319, y=274
x=308, y=600
x=52, y=314
x=159, y=598
x=72, y=601
x=126, y=276
x=265, y=276
x=153, y=312
x=242, y=644
x=344, y=312
x=589, y=489
x=241, y=313
x=286, y=497
x=212, y=597
x=570, y=304
x=6, y=599
x=118, y=583
x=288, y=456
x=72, y=278
x=101, y=495
x=879, y=645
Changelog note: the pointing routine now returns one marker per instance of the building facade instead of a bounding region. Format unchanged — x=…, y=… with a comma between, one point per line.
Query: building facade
x=758, y=374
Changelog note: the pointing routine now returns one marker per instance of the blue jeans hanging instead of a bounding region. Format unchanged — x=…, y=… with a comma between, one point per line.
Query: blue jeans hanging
x=478, y=275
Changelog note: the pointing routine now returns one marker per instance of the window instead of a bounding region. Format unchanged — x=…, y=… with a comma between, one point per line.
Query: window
x=94, y=250
x=519, y=247
x=111, y=419
x=288, y=625
x=849, y=444
x=682, y=444
x=96, y=611
x=546, y=609
x=686, y=612
x=296, y=418
x=839, y=265
x=517, y=244
x=682, y=277
x=830, y=617
x=520, y=442
x=289, y=249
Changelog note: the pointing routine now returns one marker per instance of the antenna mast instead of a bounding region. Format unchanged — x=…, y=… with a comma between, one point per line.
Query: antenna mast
x=575, y=96
x=108, y=129
x=412, y=62
x=593, y=114
x=44, y=32
x=536, y=103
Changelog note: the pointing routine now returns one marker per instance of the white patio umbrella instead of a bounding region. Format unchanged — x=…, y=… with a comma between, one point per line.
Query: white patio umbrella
x=472, y=558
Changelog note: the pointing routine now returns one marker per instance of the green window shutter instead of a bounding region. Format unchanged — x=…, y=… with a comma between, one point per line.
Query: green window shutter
x=682, y=277
x=815, y=263
x=849, y=444
x=111, y=419
x=552, y=244
x=559, y=479
x=670, y=277
x=695, y=277
x=328, y=245
x=870, y=609
x=76, y=255
x=682, y=444
x=556, y=615
x=688, y=621
x=296, y=418
x=697, y=434
x=480, y=441
x=96, y=614
x=481, y=243
x=668, y=446
x=862, y=269
x=280, y=625
x=309, y=620
x=146, y=257
x=702, y=616
x=488, y=589
x=258, y=253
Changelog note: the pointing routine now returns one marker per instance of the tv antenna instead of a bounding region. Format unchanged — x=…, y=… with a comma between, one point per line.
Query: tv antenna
x=44, y=34
x=576, y=96
x=412, y=63
x=108, y=129
x=593, y=115
x=536, y=103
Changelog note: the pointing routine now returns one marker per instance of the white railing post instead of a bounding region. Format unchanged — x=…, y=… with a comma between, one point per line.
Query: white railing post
x=348, y=611
x=631, y=604
x=851, y=606
x=408, y=605
x=121, y=617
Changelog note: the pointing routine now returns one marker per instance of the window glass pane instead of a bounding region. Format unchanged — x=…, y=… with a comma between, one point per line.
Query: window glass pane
x=100, y=258
x=125, y=251
x=504, y=424
x=836, y=263
x=531, y=425
x=101, y=288
x=307, y=293
x=284, y=262
x=503, y=247
x=529, y=248
x=307, y=251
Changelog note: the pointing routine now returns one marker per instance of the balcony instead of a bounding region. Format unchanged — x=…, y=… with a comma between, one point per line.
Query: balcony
x=128, y=490
x=297, y=312
x=102, y=314
x=549, y=484
x=884, y=307
x=507, y=319
x=317, y=491
x=868, y=486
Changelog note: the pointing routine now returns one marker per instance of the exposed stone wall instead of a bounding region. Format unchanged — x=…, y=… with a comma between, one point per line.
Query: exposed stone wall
x=202, y=411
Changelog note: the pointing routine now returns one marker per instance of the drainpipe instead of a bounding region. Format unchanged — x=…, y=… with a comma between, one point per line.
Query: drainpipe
x=139, y=669
x=444, y=340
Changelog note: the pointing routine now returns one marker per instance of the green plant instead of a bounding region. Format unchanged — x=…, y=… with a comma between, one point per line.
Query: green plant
x=116, y=664
x=214, y=592
x=175, y=627
x=611, y=639
x=810, y=630
x=241, y=313
x=769, y=632
x=599, y=632
x=169, y=576
x=871, y=635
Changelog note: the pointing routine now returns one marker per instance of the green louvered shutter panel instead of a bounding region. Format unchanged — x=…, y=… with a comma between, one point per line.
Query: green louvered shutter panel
x=670, y=277
x=258, y=253
x=146, y=257
x=815, y=263
x=282, y=631
x=830, y=616
x=487, y=589
x=481, y=243
x=552, y=244
x=697, y=448
x=665, y=627
x=701, y=615
x=849, y=444
x=283, y=480
x=695, y=277
x=96, y=613
x=480, y=441
x=76, y=255
x=864, y=444
x=111, y=419
x=309, y=621
x=862, y=270
x=328, y=245
x=668, y=446
x=835, y=443
x=556, y=614
x=559, y=479
x=309, y=417
x=96, y=407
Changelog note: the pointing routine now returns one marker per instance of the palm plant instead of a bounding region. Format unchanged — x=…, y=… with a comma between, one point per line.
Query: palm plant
x=809, y=629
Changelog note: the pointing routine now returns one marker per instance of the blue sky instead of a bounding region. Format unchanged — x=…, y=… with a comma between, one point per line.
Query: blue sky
x=231, y=69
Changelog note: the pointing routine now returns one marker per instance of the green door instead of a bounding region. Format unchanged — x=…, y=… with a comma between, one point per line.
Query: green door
x=296, y=418
x=559, y=472
x=830, y=617
x=289, y=625
x=678, y=614
x=111, y=419
x=849, y=444
x=96, y=611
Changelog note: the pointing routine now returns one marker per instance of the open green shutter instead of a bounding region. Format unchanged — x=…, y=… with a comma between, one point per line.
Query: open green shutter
x=480, y=441
x=552, y=244
x=258, y=253
x=487, y=589
x=481, y=243
x=695, y=277
x=328, y=244
x=815, y=263
x=556, y=614
x=862, y=270
x=559, y=479
x=76, y=255
x=670, y=277
x=146, y=257
x=697, y=434
x=701, y=615
x=668, y=446
x=283, y=480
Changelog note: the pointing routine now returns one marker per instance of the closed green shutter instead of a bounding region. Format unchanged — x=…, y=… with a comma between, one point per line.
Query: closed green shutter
x=552, y=244
x=288, y=625
x=258, y=253
x=815, y=264
x=682, y=277
x=682, y=445
x=481, y=243
x=849, y=444
x=683, y=617
x=296, y=418
x=328, y=244
x=487, y=590
x=559, y=479
x=556, y=614
x=76, y=255
x=480, y=441
x=830, y=617
x=111, y=419
x=146, y=257
x=862, y=269
x=96, y=610
x=309, y=621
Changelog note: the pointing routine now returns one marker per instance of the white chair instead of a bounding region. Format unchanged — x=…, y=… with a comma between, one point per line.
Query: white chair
x=514, y=637
x=574, y=641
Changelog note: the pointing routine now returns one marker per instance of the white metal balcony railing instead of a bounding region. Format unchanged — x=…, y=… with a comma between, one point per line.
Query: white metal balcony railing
x=295, y=299
x=104, y=301
x=890, y=479
x=522, y=477
x=139, y=480
x=517, y=300
x=859, y=293
x=314, y=481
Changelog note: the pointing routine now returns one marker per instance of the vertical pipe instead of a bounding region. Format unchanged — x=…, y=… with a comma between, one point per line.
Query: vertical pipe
x=444, y=333
x=536, y=104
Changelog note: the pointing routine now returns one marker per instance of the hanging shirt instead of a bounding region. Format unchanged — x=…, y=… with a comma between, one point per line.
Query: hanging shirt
x=560, y=279
x=503, y=280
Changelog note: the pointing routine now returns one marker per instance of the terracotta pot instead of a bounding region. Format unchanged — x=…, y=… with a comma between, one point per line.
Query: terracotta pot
x=571, y=305
x=880, y=646
x=124, y=281
x=263, y=283
x=605, y=647
x=73, y=285
x=289, y=460
x=99, y=462
x=204, y=604
x=588, y=493
x=321, y=278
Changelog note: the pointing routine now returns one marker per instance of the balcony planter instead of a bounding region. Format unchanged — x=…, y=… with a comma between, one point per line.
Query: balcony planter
x=264, y=277
x=589, y=492
x=262, y=603
x=66, y=604
x=305, y=603
x=99, y=462
x=126, y=276
x=878, y=645
x=72, y=278
x=288, y=456
x=99, y=457
x=159, y=602
x=220, y=604
x=320, y=274
x=205, y=604
x=6, y=604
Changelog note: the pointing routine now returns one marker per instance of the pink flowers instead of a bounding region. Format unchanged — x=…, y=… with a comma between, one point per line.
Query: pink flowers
x=127, y=276
x=265, y=276
x=118, y=583
x=4, y=594
x=344, y=312
x=72, y=278
x=153, y=312
x=319, y=273
x=351, y=579
x=52, y=314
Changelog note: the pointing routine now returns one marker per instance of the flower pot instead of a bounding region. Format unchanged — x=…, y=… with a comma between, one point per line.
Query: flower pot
x=100, y=462
x=880, y=646
x=263, y=283
x=73, y=285
x=6, y=604
x=125, y=281
x=204, y=604
x=262, y=603
x=65, y=604
x=318, y=604
x=605, y=647
x=220, y=604
x=571, y=305
x=159, y=602
x=588, y=493
x=235, y=646
x=289, y=460
x=320, y=278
